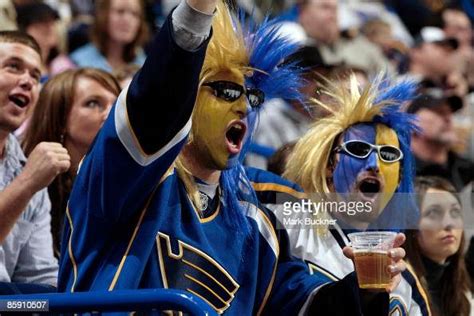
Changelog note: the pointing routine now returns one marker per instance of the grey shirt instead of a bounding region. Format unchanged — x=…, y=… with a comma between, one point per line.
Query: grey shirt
x=191, y=27
x=26, y=255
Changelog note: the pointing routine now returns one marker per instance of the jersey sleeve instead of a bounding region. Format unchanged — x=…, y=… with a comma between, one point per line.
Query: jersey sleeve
x=419, y=303
x=144, y=133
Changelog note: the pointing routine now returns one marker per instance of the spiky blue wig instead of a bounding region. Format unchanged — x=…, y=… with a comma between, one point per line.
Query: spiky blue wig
x=379, y=103
x=404, y=125
x=266, y=50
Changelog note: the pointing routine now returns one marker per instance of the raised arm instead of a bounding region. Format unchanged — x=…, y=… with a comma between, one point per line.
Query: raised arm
x=150, y=121
x=161, y=97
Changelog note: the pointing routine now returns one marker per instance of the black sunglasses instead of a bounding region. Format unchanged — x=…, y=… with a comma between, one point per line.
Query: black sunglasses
x=361, y=149
x=231, y=91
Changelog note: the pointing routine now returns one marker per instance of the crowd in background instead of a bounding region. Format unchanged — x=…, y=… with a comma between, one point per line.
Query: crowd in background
x=429, y=41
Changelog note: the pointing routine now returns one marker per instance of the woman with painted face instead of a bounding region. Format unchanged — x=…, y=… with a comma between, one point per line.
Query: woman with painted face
x=118, y=33
x=71, y=109
x=436, y=250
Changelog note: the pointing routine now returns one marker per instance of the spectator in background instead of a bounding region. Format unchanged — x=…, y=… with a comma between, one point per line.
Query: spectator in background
x=380, y=33
x=118, y=33
x=431, y=47
x=71, y=109
x=436, y=250
x=40, y=21
x=281, y=121
x=26, y=254
x=456, y=24
x=432, y=144
x=317, y=24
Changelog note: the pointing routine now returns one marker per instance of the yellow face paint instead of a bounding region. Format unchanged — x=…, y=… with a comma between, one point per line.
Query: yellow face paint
x=211, y=119
x=390, y=172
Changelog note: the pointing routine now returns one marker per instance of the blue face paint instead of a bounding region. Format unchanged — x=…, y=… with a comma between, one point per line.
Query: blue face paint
x=348, y=167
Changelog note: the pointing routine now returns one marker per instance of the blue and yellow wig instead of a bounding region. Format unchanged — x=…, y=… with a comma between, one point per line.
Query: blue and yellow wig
x=379, y=103
x=255, y=52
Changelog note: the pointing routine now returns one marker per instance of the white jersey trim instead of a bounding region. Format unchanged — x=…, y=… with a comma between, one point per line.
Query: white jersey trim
x=264, y=226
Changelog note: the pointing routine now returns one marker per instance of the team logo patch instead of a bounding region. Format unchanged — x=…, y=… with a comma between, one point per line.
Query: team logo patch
x=397, y=307
x=187, y=268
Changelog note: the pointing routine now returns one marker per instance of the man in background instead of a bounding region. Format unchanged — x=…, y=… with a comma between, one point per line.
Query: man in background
x=26, y=253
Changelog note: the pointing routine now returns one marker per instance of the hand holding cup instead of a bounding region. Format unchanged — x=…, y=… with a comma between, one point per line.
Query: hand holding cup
x=378, y=259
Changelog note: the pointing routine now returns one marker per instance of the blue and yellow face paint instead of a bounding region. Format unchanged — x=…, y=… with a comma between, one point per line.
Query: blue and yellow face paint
x=351, y=174
x=219, y=126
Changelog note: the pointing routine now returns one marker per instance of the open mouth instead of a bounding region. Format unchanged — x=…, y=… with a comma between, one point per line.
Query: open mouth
x=369, y=187
x=19, y=100
x=234, y=136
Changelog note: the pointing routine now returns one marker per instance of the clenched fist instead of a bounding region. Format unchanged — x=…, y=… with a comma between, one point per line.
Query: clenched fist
x=45, y=162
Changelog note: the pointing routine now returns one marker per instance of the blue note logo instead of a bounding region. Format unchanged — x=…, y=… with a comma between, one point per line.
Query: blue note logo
x=397, y=307
x=187, y=268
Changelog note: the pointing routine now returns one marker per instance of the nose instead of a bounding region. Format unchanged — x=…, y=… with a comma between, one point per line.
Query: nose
x=26, y=81
x=372, y=162
x=448, y=119
x=449, y=223
x=241, y=107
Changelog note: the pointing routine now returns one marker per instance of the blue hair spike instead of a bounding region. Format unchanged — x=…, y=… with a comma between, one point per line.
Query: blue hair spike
x=402, y=211
x=267, y=49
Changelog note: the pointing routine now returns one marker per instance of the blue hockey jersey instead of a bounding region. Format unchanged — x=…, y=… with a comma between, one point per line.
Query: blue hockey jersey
x=130, y=223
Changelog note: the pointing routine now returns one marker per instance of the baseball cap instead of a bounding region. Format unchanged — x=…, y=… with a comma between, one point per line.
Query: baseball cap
x=434, y=97
x=431, y=34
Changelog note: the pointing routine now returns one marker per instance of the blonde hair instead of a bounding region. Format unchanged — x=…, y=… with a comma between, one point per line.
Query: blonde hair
x=226, y=51
x=307, y=165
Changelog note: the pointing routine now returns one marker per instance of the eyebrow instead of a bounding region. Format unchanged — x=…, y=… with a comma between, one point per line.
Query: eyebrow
x=95, y=96
x=35, y=70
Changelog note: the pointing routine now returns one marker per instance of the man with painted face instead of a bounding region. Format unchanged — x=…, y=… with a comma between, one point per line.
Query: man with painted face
x=359, y=158
x=152, y=208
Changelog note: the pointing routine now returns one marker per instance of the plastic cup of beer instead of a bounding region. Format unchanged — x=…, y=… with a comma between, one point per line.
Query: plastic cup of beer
x=371, y=258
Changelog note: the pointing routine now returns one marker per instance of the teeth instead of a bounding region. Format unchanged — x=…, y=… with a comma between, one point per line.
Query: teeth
x=239, y=127
x=371, y=181
x=22, y=99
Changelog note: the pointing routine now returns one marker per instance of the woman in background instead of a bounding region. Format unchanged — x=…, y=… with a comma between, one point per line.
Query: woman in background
x=118, y=33
x=71, y=109
x=436, y=250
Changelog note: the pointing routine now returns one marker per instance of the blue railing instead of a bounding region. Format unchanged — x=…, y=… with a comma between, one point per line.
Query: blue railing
x=119, y=300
